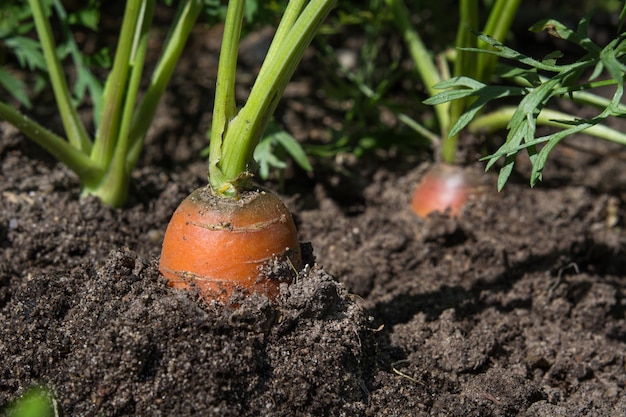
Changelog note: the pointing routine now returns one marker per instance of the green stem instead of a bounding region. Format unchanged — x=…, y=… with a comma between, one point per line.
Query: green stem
x=160, y=78
x=497, y=26
x=74, y=128
x=419, y=129
x=224, y=109
x=233, y=137
x=500, y=118
x=55, y=145
x=422, y=60
x=293, y=10
x=246, y=129
x=78, y=60
x=136, y=63
x=469, y=63
x=116, y=85
x=113, y=189
x=465, y=64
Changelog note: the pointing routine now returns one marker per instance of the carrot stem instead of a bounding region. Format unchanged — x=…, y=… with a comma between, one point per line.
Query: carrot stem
x=465, y=64
x=233, y=137
x=114, y=185
x=498, y=24
x=54, y=144
x=104, y=165
x=424, y=62
x=224, y=109
x=117, y=83
x=160, y=78
x=74, y=128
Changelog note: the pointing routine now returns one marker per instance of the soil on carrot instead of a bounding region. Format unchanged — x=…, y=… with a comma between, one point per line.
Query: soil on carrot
x=514, y=308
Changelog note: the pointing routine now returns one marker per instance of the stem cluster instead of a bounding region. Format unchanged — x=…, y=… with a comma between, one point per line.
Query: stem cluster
x=103, y=164
x=536, y=91
x=234, y=135
x=435, y=71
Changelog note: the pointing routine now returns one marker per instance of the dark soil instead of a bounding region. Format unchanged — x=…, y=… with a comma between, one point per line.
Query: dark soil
x=515, y=308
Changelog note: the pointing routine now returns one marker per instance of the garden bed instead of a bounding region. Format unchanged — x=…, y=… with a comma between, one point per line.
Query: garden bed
x=516, y=307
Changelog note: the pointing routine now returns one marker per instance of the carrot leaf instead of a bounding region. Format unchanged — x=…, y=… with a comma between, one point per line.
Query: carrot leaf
x=566, y=81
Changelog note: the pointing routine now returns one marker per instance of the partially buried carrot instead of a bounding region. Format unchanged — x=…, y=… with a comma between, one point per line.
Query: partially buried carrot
x=231, y=235
x=220, y=245
x=444, y=188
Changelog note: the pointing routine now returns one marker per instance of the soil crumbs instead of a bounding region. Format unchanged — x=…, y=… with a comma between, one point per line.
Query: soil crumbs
x=516, y=308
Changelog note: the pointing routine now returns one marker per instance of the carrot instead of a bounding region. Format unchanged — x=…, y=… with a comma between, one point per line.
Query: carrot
x=221, y=245
x=231, y=235
x=443, y=188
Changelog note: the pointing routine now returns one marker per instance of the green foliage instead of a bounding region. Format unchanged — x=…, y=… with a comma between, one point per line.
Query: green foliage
x=362, y=81
x=121, y=114
x=433, y=70
x=16, y=24
x=380, y=96
x=274, y=148
x=598, y=67
x=35, y=402
x=104, y=162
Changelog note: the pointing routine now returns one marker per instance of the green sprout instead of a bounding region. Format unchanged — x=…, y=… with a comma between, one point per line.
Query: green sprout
x=435, y=70
x=272, y=151
x=37, y=401
x=572, y=81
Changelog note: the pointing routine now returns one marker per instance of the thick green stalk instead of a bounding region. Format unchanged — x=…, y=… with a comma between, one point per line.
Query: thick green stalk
x=224, y=109
x=74, y=128
x=246, y=129
x=465, y=64
x=137, y=60
x=104, y=168
x=117, y=83
x=497, y=26
x=161, y=76
x=423, y=61
x=469, y=63
x=113, y=189
x=293, y=10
